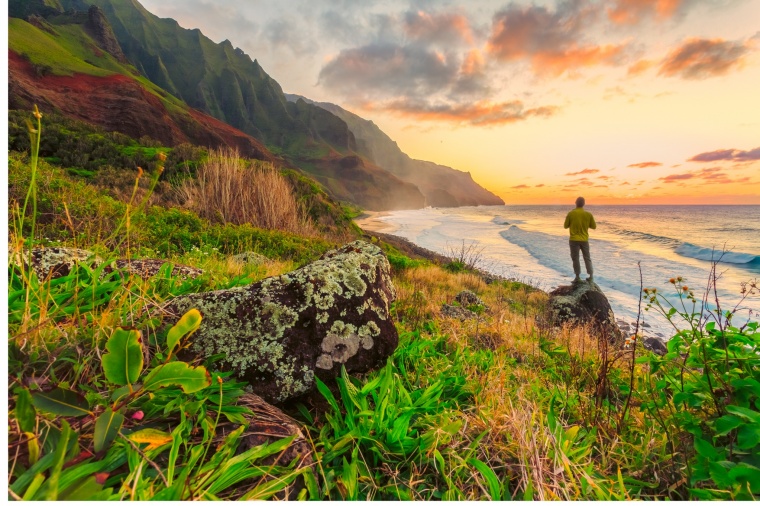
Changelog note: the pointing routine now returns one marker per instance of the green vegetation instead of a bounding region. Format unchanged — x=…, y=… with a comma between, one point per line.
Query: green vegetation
x=53, y=54
x=495, y=407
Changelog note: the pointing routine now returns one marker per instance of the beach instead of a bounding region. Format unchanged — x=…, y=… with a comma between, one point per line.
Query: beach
x=528, y=243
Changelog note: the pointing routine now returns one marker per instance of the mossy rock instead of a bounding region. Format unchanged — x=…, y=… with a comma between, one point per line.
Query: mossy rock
x=279, y=333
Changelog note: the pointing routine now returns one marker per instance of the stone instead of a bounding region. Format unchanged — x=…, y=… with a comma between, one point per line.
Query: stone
x=584, y=303
x=149, y=267
x=58, y=262
x=250, y=257
x=52, y=263
x=457, y=312
x=655, y=345
x=268, y=424
x=282, y=332
x=468, y=298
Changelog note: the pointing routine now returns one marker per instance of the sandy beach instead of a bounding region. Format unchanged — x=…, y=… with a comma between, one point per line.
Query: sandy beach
x=371, y=221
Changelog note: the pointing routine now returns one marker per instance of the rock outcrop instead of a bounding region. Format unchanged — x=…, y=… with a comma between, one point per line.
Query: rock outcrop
x=279, y=333
x=52, y=263
x=584, y=303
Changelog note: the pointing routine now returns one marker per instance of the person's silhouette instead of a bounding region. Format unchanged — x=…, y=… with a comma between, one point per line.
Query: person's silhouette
x=579, y=221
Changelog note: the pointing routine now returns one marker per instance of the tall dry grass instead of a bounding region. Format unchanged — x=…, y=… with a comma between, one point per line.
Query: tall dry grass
x=229, y=189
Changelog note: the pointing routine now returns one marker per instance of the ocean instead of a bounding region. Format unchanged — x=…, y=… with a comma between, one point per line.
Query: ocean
x=529, y=243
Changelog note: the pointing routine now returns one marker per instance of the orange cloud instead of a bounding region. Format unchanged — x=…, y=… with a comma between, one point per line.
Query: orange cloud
x=640, y=67
x=553, y=41
x=438, y=27
x=473, y=63
x=727, y=154
x=584, y=171
x=555, y=63
x=520, y=186
x=645, y=165
x=632, y=11
x=702, y=58
x=482, y=113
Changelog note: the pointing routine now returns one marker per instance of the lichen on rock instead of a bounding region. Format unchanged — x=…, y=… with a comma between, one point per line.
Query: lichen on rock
x=282, y=331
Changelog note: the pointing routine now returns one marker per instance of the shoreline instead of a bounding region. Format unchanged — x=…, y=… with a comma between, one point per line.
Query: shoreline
x=371, y=221
x=372, y=226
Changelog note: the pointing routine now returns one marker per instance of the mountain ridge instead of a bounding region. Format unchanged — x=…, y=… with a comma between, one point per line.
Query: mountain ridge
x=441, y=185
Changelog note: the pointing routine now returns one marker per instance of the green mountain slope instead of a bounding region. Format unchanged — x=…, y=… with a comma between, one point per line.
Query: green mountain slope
x=441, y=185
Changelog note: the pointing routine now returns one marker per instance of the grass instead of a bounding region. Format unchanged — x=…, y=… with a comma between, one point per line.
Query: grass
x=494, y=407
x=46, y=52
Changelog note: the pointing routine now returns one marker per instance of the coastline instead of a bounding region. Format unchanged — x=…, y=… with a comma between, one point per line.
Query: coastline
x=371, y=221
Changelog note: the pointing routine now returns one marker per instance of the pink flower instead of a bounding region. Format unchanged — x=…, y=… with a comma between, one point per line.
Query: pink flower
x=138, y=415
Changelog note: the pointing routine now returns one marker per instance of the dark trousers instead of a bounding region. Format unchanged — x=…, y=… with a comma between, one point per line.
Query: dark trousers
x=575, y=248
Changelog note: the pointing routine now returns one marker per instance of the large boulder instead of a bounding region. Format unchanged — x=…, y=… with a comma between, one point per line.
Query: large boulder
x=584, y=303
x=279, y=333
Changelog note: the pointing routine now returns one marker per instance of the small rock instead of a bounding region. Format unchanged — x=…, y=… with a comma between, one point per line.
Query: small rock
x=457, y=312
x=250, y=257
x=52, y=263
x=149, y=267
x=584, y=303
x=655, y=346
x=468, y=298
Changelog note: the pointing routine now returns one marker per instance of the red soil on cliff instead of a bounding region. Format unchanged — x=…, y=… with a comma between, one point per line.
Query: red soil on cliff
x=120, y=103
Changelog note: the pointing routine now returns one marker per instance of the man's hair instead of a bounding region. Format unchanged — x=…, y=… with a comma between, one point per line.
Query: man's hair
x=580, y=202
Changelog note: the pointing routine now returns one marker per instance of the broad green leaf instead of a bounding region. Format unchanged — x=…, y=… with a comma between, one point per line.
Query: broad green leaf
x=87, y=489
x=745, y=413
x=58, y=458
x=726, y=424
x=748, y=436
x=190, y=379
x=705, y=449
x=124, y=362
x=154, y=437
x=106, y=428
x=186, y=325
x=34, y=486
x=60, y=401
x=494, y=487
x=26, y=416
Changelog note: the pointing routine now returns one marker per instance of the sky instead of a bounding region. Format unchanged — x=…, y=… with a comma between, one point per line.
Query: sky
x=622, y=101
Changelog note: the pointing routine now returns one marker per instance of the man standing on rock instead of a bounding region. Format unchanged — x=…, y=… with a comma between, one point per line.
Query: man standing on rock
x=579, y=221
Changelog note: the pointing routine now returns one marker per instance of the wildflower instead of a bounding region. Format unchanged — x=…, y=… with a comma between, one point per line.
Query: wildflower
x=685, y=288
x=679, y=278
x=138, y=415
x=37, y=113
x=672, y=281
x=161, y=156
x=139, y=172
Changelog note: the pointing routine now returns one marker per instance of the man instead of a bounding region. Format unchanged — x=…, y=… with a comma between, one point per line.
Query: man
x=579, y=221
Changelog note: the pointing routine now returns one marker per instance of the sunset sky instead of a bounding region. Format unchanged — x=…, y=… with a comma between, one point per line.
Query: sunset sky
x=625, y=102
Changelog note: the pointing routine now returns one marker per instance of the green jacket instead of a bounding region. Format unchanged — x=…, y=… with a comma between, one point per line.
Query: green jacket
x=579, y=221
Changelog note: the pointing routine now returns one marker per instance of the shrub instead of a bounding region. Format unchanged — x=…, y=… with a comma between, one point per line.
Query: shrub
x=228, y=190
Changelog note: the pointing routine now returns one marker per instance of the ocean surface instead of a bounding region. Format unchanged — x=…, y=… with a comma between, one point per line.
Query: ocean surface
x=529, y=243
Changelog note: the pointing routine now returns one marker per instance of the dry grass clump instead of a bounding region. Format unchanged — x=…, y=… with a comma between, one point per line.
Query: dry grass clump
x=229, y=189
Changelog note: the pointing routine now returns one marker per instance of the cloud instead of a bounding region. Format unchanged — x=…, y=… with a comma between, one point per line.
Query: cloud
x=422, y=82
x=640, y=67
x=520, y=186
x=553, y=41
x=438, y=27
x=633, y=11
x=676, y=177
x=712, y=175
x=703, y=58
x=540, y=185
x=478, y=114
x=728, y=155
x=584, y=171
x=645, y=165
